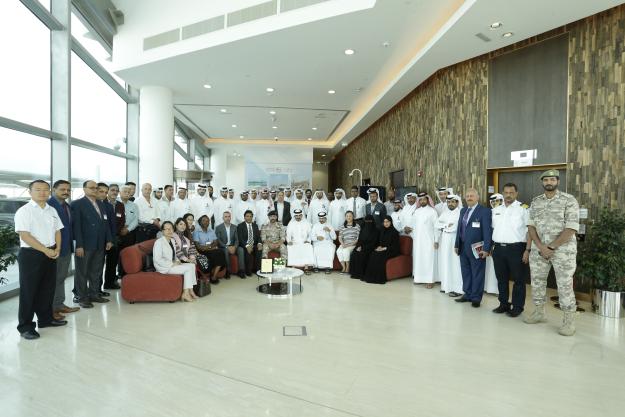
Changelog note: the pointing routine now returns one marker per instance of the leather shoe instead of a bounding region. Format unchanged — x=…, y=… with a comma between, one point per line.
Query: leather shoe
x=57, y=316
x=76, y=300
x=113, y=286
x=85, y=304
x=462, y=300
x=214, y=281
x=501, y=309
x=99, y=300
x=475, y=304
x=249, y=274
x=454, y=294
x=241, y=274
x=53, y=323
x=227, y=276
x=67, y=310
x=514, y=313
x=105, y=294
x=30, y=334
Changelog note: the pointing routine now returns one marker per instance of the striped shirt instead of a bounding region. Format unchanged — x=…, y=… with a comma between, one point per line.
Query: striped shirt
x=349, y=234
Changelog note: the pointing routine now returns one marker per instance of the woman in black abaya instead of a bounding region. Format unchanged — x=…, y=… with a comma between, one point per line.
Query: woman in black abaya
x=387, y=248
x=367, y=241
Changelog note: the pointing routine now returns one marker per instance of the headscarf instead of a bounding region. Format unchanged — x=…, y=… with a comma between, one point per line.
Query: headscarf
x=369, y=232
x=371, y=190
x=441, y=189
x=495, y=197
x=457, y=198
x=406, y=204
x=420, y=196
x=387, y=234
x=343, y=199
x=324, y=198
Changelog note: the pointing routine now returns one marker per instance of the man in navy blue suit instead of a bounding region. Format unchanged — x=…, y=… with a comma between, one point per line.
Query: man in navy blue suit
x=474, y=227
x=92, y=233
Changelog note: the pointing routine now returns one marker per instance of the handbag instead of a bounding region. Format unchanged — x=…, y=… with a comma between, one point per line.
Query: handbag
x=202, y=288
x=203, y=263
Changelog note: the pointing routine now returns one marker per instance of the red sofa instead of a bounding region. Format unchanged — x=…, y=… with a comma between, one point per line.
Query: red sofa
x=401, y=266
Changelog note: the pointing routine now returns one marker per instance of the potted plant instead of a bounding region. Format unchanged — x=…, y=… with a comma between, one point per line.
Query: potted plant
x=9, y=242
x=279, y=264
x=601, y=263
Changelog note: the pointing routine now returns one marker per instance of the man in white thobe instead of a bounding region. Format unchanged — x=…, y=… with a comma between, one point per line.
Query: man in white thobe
x=243, y=205
x=221, y=205
x=407, y=213
x=254, y=195
x=288, y=194
x=166, y=204
x=299, y=203
x=441, y=194
x=201, y=204
x=396, y=215
x=356, y=205
x=338, y=207
x=263, y=207
x=423, y=250
x=300, y=251
x=182, y=205
x=322, y=237
x=448, y=262
x=318, y=204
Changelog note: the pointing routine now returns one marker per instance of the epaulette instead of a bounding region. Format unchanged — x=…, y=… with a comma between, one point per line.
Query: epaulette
x=525, y=206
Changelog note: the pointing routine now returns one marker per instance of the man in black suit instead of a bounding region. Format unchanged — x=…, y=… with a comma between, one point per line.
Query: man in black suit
x=248, y=235
x=375, y=208
x=92, y=234
x=283, y=208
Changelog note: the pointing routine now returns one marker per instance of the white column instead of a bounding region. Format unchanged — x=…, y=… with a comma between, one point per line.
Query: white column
x=219, y=158
x=156, y=136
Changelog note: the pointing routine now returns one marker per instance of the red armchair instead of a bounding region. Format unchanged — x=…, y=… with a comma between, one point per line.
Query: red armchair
x=401, y=266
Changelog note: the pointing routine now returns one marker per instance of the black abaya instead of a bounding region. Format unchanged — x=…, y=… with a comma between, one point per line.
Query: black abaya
x=375, y=273
x=367, y=242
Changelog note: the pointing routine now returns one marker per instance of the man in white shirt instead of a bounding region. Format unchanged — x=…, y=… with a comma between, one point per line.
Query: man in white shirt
x=356, y=204
x=396, y=215
x=300, y=251
x=283, y=209
x=338, y=207
x=201, y=204
x=423, y=247
x=299, y=203
x=511, y=248
x=149, y=215
x=39, y=228
x=221, y=205
x=182, y=204
x=166, y=205
x=407, y=213
x=263, y=207
x=244, y=205
x=322, y=237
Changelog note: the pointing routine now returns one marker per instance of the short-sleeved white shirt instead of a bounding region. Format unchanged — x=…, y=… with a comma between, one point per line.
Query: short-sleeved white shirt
x=41, y=223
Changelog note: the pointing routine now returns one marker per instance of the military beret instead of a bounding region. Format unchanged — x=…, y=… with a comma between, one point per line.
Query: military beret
x=550, y=173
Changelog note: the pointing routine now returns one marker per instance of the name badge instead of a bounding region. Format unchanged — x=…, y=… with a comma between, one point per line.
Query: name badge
x=376, y=212
x=475, y=224
x=119, y=215
x=106, y=217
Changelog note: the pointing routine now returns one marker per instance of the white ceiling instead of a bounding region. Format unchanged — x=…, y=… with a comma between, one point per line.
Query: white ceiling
x=305, y=61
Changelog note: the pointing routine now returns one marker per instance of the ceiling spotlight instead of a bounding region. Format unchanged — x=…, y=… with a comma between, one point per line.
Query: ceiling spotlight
x=274, y=127
x=349, y=52
x=223, y=111
x=331, y=91
x=275, y=137
x=208, y=86
x=323, y=156
x=241, y=137
x=386, y=44
x=507, y=34
x=234, y=125
x=314, y=128
x=309, y=138
x=269, y=90
x=496, y=25
x=272, y=112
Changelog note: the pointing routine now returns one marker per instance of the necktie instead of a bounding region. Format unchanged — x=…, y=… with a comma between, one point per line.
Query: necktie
x=250, y=234
x=173, y=251
x=465, y=220
x=66, y=208
x=354, y=211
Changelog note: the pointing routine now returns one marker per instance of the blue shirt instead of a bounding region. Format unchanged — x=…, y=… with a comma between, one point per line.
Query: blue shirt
x=67, y=235
x=204, y=237
x=132, y=215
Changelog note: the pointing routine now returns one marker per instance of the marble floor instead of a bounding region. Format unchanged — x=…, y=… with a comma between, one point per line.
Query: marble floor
x=376, y=351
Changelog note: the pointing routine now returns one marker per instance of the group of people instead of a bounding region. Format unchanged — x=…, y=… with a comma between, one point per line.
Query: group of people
x=451, y=243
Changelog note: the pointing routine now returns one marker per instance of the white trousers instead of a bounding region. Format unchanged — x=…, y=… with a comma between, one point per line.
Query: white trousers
x=188, y=271
x=343, y=254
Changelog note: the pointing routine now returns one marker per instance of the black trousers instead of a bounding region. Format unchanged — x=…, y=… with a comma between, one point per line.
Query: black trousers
x=252, y=260
x=88, y=274
x=122, y=243
x=509, y=264
x=37, y=275
x=111, y=259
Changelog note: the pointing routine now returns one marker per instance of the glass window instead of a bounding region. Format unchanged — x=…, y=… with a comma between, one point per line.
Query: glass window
x=199, y=161
x=179, y=161
x=98, y=113
x=25, y=68
x=181, y=140
x=96, y=166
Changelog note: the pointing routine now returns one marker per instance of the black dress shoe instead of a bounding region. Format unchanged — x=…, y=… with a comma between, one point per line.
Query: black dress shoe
x=514, y=313
x=227, y=276
x=214, y=281
x=475, y=304
x=85, y=304
x=113, y=286
x=99, y=300
x=501, y=309
x=53, y=323
x=105, y=294
x=241, y=274
x=30, y=335
x=462, y=300
x=249, y=274
x=454, y=294
x=76, y=300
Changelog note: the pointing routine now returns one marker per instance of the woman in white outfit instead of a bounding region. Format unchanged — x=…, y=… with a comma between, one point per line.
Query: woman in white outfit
x=166, y=262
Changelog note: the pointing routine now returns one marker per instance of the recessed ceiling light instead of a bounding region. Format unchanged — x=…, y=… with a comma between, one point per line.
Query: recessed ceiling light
x=386, y=44
x=241, y=137
x=349, y=52
x=272, y=112
x=234, y=125
x=275, y=137
x=309, y=138
x=323, y=156
x=314, y=128
x=274, y=127
x=223, y=110
x=269, y=90
x=208, y=86
x=496, y=25
x=507, y=34
x=331, y=91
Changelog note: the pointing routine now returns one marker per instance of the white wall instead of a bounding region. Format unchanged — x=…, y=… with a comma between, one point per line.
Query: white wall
x=320, y=176
x=235, y=173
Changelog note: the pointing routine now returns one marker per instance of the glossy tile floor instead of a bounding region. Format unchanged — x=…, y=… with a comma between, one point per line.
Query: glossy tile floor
x=380, y=351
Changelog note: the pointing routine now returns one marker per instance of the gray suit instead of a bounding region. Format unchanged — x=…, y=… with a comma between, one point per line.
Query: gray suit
x=224, y=239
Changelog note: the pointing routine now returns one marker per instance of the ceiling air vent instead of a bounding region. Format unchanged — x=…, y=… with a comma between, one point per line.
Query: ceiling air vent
x=203, y=27
x=161, y=39
x=248, y=14
x=288, y=5
x=483, y=37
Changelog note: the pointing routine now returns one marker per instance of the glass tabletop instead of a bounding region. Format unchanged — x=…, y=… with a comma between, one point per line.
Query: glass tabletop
x=286, y=273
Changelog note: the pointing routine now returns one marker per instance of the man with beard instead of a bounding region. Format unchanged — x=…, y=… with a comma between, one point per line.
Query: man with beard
x=182, y=205
x=396, y=215
x=338, y=207
x=390, y=203
x=447, y=261
x=201, y=204
x=407, y=213
x=221, y=205
x=231, y=194
x=288, y=194
x=166, y=205
x=300, y=250
x=552, y=225
x=245, y=204
x=299, y=203
x=273, y=235
x=210, y=192
x=442, y=194
x=375, y=208
x=254, y=195
x=158, y=193
x=263, y=207
x=423, y=242
x=323, y=236
x=319, y=204
x=308, y=194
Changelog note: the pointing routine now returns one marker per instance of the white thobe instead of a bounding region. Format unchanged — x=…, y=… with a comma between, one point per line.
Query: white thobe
x=299, y=204
x=323, y=249
x=407, y=216
x=441, y=208
x=220, y=206
x=181, y=207
x=263, y=207
x=336, y=213
x=241, y=208
x=359, y=209
x=396, y=216
x=166, y=210
x=300, y=253
x=317, y=205
x=490, y=279
x=448, y=262
x=201, y=206
x=423, y=252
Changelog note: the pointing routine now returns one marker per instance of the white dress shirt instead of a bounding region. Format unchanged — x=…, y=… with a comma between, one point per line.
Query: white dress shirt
x=148, y=211
x=41, y=223
x=510, y=223
x=360, y=207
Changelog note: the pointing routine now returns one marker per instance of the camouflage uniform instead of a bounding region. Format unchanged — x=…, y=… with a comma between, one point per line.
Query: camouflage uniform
x=550, y=217
x=272, y=232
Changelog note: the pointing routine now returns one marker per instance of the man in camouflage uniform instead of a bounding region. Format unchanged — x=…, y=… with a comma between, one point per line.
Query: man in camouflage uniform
x=273, y=235
x=553, y=222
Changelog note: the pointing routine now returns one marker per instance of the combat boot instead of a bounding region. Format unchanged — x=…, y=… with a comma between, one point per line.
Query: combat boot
x=537, y=316
x=568, y=324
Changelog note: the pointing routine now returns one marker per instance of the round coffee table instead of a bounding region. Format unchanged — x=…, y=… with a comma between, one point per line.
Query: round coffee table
x=280, y=283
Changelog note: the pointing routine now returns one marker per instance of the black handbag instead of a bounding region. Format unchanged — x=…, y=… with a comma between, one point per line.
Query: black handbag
x=203, y=263
x=202, y=288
